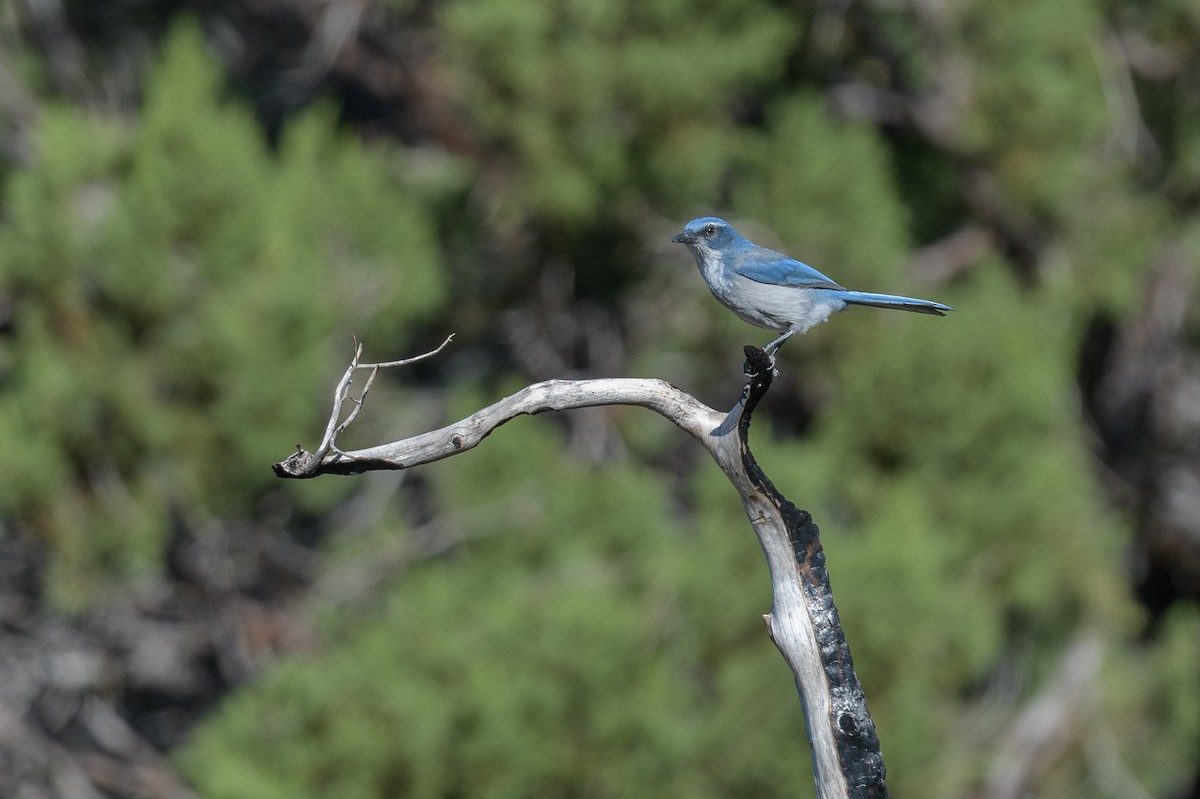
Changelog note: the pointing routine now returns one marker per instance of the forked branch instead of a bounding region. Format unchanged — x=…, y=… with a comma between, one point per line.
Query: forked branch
x=342, y=393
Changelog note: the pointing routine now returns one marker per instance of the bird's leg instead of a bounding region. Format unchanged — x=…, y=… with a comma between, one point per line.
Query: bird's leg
x=774, y=346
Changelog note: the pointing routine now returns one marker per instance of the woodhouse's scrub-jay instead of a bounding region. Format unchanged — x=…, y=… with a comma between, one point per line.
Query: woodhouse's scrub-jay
x=771, y=290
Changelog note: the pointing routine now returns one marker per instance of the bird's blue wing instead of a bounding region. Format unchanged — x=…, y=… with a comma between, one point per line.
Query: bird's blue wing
x=767, y=266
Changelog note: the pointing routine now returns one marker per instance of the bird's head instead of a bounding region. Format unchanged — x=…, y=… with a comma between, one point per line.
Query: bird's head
x=708, y=234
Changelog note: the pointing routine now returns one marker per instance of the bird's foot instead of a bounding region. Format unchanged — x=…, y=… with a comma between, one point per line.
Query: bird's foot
x=750, y=373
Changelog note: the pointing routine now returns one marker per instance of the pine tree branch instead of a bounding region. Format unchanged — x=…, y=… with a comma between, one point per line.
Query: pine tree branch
x=803, y=621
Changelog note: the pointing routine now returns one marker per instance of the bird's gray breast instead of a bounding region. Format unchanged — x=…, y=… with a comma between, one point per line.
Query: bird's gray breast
x=767, y=305
x=744, y=297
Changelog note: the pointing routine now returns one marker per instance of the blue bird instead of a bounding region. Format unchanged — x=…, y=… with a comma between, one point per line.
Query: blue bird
x=771, y=290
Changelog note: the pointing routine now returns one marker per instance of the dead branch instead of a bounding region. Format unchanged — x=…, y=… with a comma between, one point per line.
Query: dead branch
x=333, y=429
x=803, y=621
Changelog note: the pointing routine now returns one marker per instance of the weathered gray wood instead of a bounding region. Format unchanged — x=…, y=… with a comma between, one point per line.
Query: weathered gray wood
x=803, y=621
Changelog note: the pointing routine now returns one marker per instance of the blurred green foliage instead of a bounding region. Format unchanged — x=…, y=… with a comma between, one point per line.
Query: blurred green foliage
x=588, y=101
x=183, y=297
x=162, y=277
x=1036, y=109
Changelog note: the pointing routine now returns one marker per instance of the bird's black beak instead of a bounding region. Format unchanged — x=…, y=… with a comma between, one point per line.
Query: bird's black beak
x=680, y=239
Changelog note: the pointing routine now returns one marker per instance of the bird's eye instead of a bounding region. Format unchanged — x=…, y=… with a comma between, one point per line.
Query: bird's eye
x=710, y=230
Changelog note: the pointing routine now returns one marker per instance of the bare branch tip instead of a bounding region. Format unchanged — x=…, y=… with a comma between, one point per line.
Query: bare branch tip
x=406, y=361
x=298, y=464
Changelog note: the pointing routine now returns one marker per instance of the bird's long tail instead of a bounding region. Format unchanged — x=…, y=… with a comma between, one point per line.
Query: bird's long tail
x=889, y=301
